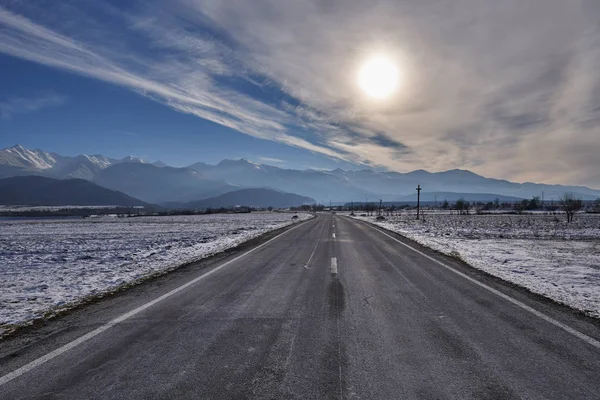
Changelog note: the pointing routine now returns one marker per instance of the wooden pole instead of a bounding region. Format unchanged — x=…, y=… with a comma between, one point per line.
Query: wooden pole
x=418, y=200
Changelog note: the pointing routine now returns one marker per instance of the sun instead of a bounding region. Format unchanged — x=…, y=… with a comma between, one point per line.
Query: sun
x=378, y=77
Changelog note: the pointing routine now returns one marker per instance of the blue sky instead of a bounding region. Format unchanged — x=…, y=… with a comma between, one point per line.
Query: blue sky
x=70, y=114
x=505, y=89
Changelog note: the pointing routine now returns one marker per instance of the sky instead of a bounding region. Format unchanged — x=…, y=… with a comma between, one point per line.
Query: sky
x=508, y=89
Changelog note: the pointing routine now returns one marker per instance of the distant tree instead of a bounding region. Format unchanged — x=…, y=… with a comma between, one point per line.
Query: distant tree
x=270, y=208
x=596, y=205
x=497, y=203
x=551, y=207
x=534, y=203
x=479, y=207
x=570, y=204
x=521, y=206
x=462, y=206
x=445, y=204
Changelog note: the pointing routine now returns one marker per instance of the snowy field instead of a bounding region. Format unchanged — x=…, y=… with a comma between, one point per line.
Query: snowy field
x=546, y=255
x=47, y=265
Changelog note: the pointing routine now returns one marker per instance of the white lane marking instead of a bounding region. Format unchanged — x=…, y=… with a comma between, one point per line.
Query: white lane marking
x=333, y=235
x=306, y=265
x=333, y=268
x=506, y=297
x=63, y=349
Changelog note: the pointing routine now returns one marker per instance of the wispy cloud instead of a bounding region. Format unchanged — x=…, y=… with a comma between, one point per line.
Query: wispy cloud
x=128, y=133
x=271, y=160
x=25, y=105
x=508, y=89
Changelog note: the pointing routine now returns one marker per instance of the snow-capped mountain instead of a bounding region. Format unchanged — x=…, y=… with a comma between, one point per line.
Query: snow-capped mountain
x=100, y=161
x=159, y=183
x=340, y=185
x=18, y=160
x=20, y=157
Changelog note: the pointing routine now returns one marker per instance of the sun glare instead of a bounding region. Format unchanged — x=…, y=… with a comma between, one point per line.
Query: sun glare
x=378, y=77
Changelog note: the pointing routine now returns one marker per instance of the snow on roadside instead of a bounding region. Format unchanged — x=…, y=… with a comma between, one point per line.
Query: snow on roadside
x=51, y=264
x=541, y=253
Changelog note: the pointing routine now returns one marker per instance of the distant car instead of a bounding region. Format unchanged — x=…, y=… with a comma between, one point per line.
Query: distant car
x=363, y=215
x=295, y=217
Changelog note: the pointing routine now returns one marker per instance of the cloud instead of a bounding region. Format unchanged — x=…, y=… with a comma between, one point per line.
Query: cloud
x=508, y=89
x=271, y=160
x=23, y=105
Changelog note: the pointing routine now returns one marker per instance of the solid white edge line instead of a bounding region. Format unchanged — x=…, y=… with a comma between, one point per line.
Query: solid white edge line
x=334, y=265
x=63, y=349
x=506, y=297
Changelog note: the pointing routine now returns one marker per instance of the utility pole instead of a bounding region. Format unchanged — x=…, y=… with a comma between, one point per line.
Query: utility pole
x=542, y=199
x=418, y=200
x=380, y=207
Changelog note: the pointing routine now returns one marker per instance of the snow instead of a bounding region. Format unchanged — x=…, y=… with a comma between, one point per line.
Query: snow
x=18, y=156
x=133, y=159
x=49, y=265
x=542, y=253
x=17, y=208
x=100, y=161
x=38, y=159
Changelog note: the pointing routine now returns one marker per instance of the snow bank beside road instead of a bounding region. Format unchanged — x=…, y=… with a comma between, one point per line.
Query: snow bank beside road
x=558, y=260
x=48, y=264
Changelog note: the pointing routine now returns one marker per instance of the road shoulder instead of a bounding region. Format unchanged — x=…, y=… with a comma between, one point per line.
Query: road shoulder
x=35, y=340
x=562, y=313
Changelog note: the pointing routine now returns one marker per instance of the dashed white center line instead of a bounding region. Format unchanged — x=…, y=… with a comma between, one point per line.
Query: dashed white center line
x=333, y=268
x=334, y=235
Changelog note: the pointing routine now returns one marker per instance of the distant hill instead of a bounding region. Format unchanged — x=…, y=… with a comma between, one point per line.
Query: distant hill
x=252, y=198
x=452, y=197
x=159, y=185
x=42, y=191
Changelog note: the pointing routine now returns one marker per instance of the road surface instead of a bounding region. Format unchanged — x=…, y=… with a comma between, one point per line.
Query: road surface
x=332, y=308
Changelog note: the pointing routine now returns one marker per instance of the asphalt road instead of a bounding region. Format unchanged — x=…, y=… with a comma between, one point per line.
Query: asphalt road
x=331, y=309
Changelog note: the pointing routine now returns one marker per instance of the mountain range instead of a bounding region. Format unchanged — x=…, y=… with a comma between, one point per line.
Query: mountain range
x=260, y=198
x=159, y=183
x=43, y=191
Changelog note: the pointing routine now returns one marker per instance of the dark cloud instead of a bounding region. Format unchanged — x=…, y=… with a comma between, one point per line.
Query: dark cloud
x=382, y=139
